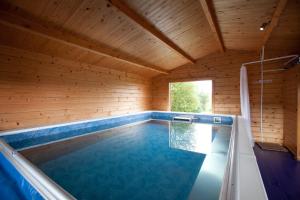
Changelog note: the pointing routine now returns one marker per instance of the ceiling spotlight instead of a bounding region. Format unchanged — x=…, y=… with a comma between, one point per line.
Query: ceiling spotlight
x=264, y=25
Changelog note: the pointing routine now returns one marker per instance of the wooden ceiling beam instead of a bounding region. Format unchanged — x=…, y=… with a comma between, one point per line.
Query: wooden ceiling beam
x=52, y=33
x=274, y=21
x=146, y=25
x=211, y=18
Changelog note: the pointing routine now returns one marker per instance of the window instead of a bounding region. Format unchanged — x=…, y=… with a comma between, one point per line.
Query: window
x=195, y=96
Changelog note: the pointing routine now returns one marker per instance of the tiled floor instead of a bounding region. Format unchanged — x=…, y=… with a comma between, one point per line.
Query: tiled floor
x=280, y=173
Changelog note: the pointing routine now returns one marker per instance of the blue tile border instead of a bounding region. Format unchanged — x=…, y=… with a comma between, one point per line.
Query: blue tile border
x=199, y=118
x=36, y=136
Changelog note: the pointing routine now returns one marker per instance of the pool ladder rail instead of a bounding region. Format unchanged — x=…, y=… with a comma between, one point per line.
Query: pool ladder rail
x=191, y=119
x=184, y=118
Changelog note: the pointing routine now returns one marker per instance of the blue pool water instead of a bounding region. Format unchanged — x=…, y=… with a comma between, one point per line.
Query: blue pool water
x=150, y=160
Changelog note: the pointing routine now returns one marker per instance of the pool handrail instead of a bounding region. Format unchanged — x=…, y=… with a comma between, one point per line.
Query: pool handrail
x=42, y=183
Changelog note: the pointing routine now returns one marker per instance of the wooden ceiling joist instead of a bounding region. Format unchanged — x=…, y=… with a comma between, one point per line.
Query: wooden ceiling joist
x=146, y=25
x=274, y=21
x=51, y=33
x=210, y=16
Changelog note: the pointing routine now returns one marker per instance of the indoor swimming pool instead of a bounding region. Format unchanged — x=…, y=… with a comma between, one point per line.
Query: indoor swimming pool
x=148, y=157
x=149, y=160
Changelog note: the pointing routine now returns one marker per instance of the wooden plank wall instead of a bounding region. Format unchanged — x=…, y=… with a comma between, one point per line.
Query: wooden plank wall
x=272, y=102
x=37, y=89
x=290, y=94
x=224, y=70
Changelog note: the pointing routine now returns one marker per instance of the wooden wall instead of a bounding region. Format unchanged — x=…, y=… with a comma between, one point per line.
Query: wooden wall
x=224, y=70
x=290, y=98
x=272, y=102
x=37, y=89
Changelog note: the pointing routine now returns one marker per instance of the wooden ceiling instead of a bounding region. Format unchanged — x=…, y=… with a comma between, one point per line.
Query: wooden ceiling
x=240, y=21
x=285, y=38
x=147, y=36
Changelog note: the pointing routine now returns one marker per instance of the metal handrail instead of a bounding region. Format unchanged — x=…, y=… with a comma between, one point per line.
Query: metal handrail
x=184, y=118
x=42, y=183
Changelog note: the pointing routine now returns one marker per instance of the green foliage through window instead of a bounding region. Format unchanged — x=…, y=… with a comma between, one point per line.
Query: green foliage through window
x=187, y=97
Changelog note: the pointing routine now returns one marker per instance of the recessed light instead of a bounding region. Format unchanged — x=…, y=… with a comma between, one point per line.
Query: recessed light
x=264, y=25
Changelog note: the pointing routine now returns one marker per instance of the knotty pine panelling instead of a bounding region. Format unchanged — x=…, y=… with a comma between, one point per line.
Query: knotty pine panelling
x=239, y=22
x=290, y=97
x=285, y=38
x=224, y=70
x=37, y=89
x=272, y=102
